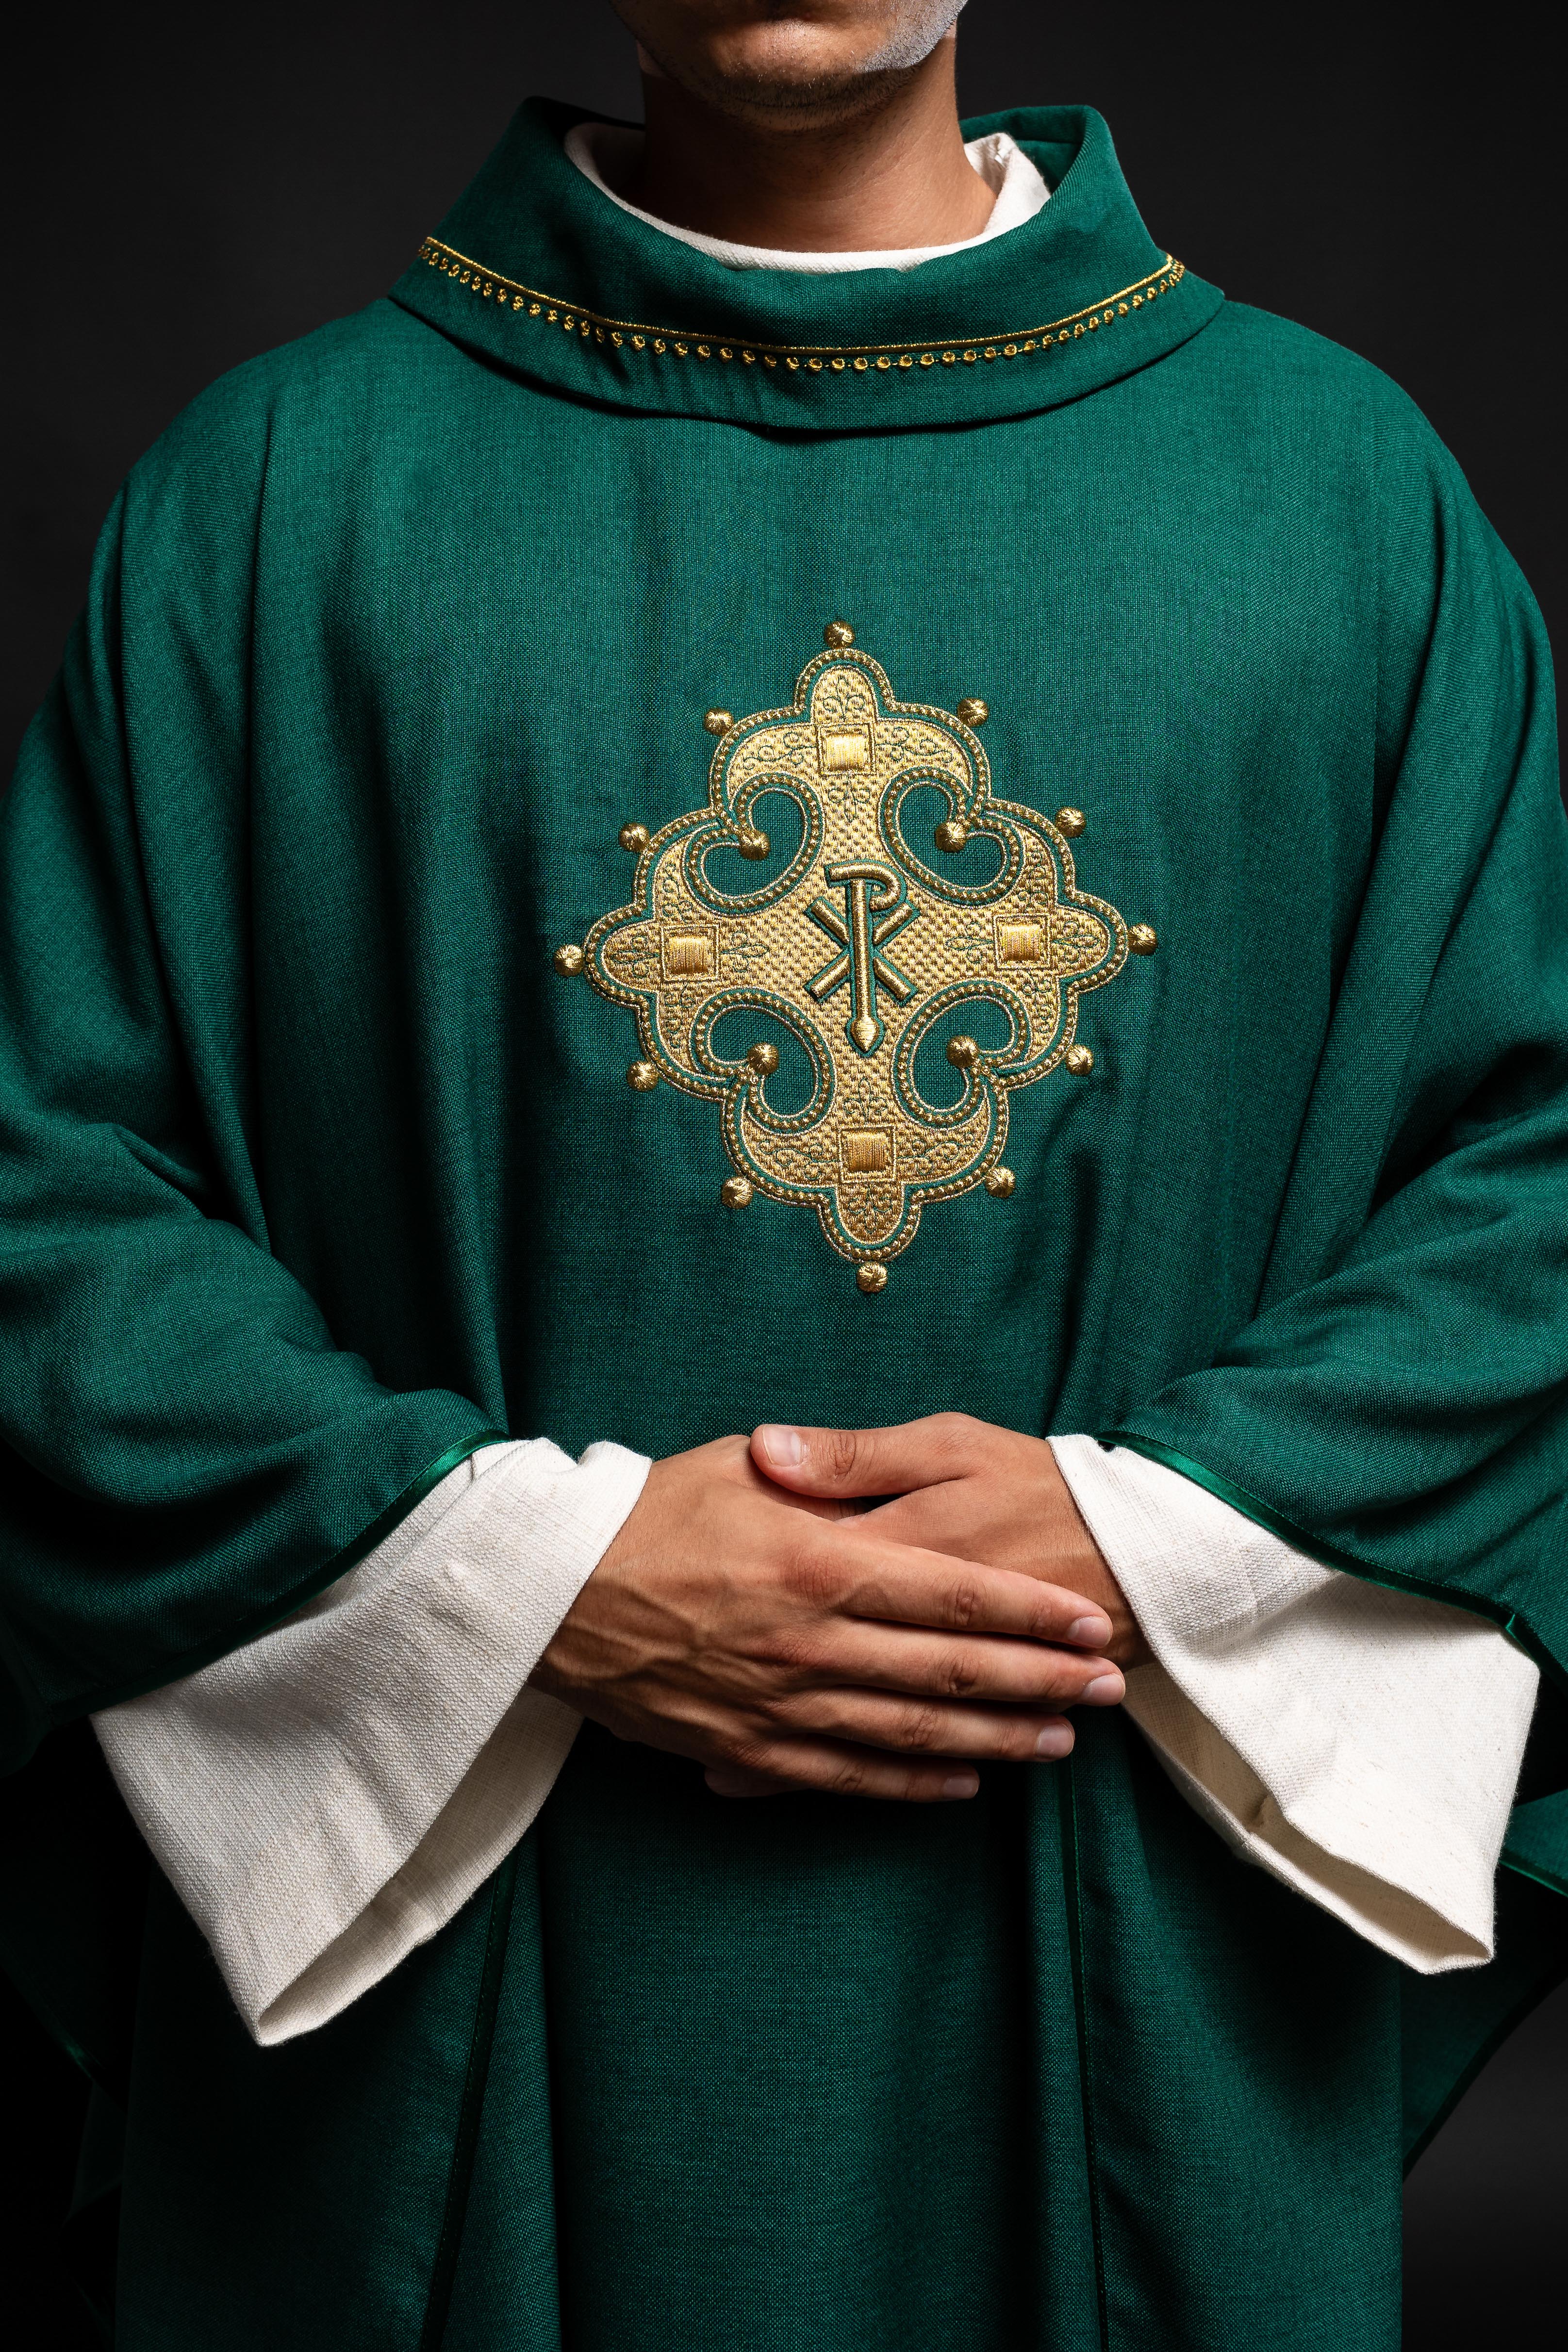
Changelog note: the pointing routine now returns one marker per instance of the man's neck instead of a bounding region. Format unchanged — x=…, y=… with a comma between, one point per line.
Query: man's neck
x=893, y=176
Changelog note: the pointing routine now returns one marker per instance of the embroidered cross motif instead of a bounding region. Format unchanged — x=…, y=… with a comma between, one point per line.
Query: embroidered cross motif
x=861, y=931
x=715, y=970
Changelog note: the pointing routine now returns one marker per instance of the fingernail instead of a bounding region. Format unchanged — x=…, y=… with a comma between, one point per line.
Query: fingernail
x=1092, y=1632
x=960, y=1784
x=1055, y=1740
x=1105, y=1690
x=785, y=1448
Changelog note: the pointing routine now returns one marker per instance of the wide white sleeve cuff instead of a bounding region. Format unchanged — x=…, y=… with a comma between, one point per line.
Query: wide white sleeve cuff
x=1363, y=1746
x=327, y=1797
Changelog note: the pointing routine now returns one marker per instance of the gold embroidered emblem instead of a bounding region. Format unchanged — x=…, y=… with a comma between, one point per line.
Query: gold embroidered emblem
x=861, y=950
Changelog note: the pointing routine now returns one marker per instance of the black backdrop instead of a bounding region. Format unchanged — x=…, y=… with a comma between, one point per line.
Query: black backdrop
x=191, y=186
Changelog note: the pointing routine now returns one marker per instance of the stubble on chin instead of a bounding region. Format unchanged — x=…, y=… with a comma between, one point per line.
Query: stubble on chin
x=781, y=72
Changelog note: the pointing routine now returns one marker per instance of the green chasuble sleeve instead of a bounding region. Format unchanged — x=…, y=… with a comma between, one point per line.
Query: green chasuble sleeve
x=1397, y=1406
x=187, y=1453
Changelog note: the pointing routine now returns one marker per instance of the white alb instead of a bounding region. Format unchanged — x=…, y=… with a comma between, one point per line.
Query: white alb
x=1017, y=187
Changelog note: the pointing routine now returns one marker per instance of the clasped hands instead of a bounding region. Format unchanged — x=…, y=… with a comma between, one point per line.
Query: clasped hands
x=762, y=1612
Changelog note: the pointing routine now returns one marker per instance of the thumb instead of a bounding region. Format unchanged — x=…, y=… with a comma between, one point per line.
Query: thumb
x=850, y=1462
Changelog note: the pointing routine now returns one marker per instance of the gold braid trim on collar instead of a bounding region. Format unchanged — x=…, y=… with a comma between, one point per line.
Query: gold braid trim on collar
x=858, y=358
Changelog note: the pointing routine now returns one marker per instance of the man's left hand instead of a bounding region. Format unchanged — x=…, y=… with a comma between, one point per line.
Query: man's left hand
x=962, y=1486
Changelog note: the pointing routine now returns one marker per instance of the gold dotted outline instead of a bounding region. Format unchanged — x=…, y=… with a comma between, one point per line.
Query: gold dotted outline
x=823, y=1199
x=1003, y=1085
x=858, y=358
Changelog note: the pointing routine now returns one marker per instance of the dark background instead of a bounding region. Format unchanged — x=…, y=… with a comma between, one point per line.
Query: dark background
x=192, y=185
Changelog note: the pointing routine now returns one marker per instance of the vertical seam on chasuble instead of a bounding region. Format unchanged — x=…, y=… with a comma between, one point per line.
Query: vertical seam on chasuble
x=596, y=328
x=465, y=2143
x=1067, y=1786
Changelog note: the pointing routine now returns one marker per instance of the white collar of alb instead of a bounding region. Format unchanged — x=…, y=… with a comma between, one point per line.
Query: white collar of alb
x=1000, y=163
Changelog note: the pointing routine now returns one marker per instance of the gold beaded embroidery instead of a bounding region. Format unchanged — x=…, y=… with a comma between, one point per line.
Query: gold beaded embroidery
x=866, y=360
x=859, y=950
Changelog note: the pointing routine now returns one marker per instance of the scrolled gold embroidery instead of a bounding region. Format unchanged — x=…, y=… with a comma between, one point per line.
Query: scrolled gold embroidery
x=859, y=952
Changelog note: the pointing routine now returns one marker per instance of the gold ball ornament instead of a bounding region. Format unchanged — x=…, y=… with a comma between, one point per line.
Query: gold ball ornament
x=951, y=834
x=870, y=1279
x=837, y=634
x=974, y=711
x=642, y=1077
x=635, y=838
x=1142, y=938
x=718, y=722
x=963, y=1053
x=764, y=1059
x=753, y=844
x=1001, y=1184
x=1071, y=821
x=737, y=1192
x=1079, y=1060
x=568, y=960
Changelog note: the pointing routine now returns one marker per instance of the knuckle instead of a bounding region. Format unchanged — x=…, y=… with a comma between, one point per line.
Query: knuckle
x=788, y=1657
x=843, y=1449
x=965, y=1602
x=846, y=1779
x=959, y=1674
x=814, y=1576
x=955, y=1435
x=787, y=1714
x=918, y=1728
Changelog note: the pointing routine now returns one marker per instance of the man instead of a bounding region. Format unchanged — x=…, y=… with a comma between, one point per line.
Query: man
x=804, y=790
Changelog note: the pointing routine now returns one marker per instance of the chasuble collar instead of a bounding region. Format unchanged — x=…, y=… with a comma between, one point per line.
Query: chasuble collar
x=534, y=270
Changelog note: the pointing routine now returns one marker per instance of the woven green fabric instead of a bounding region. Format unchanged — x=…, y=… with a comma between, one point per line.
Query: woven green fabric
x=314, y=1171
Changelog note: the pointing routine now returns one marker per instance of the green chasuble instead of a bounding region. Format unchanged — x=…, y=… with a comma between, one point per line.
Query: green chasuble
x=1180, y=736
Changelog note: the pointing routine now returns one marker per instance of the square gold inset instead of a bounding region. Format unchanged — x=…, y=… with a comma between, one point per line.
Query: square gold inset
x=838, y=752
x=689, y=955
x=866, y=1150
x=1020, y=942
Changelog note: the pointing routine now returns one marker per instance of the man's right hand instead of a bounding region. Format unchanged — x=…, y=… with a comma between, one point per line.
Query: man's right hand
x=783, y=1645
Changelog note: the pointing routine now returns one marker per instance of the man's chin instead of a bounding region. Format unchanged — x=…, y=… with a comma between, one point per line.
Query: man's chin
x=800, y=93
x=795, y=74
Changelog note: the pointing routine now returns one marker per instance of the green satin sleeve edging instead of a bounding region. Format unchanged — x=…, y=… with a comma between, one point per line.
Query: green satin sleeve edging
x=66, y=2042
x=466, y=2140
x=1550, y=1879
x=349, y=1556
x=1518, y=1629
